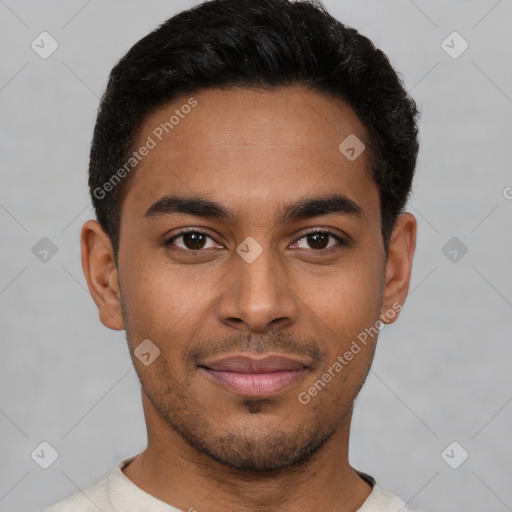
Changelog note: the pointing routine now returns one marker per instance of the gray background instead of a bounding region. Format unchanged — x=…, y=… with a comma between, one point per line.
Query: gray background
x=441, y=374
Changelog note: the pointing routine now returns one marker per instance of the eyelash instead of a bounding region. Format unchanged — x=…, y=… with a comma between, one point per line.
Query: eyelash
x=341, y=241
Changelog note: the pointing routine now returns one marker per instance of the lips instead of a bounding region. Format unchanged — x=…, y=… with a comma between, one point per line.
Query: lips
x=251, y=375
x=251, y=364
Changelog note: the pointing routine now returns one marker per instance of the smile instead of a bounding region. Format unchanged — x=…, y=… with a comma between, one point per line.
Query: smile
x=253, y=376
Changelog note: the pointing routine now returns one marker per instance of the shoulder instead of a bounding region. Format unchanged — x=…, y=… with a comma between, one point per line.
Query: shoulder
x=89, y=500
x=96, y=497
x=381, y=500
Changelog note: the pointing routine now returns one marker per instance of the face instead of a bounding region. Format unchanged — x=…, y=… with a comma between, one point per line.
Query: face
x=251, y=261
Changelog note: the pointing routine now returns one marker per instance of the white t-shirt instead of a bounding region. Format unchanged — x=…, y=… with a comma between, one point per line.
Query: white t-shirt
x=118, y=493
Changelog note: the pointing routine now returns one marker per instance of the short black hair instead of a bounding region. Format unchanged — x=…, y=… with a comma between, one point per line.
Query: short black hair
x=255, y=44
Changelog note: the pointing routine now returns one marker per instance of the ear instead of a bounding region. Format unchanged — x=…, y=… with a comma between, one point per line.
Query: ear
x=101, y=274
x=398, y=267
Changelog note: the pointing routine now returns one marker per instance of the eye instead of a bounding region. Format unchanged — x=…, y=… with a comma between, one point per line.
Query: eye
x=192, y=240
x=319, y=240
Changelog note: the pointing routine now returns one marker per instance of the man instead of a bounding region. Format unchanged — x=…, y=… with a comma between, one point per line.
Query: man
x=249, y=170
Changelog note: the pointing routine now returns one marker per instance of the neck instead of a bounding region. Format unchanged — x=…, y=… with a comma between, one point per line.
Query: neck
x=176, y=473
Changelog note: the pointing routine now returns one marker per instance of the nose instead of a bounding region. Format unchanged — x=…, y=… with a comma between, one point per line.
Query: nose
x=257, y=296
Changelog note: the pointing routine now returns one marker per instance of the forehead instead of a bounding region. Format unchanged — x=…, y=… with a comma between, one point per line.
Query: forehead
x=251, y=148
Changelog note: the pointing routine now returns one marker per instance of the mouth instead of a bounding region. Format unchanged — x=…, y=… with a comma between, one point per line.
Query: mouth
x=255, y=376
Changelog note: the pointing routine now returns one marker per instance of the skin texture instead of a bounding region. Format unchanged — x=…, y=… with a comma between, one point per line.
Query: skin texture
x=253, y=152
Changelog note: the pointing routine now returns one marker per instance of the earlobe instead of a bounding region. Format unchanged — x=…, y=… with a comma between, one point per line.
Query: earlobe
x=100, y=272
x=399, y=266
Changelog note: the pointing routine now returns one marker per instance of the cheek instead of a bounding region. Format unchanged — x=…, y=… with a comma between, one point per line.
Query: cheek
x=344, y=308
x=165, y=305
x=161, y=292
x=347, y=299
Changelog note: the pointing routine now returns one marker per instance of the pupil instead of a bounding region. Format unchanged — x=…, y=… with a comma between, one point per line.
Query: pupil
x=193, y=240
x=319, y=235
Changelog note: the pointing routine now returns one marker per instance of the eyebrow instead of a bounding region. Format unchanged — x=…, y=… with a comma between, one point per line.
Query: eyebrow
x=300, y=210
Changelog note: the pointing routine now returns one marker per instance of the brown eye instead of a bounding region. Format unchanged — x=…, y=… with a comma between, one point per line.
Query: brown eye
x=191, y=240
x=319, y=240
x=194, y=240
